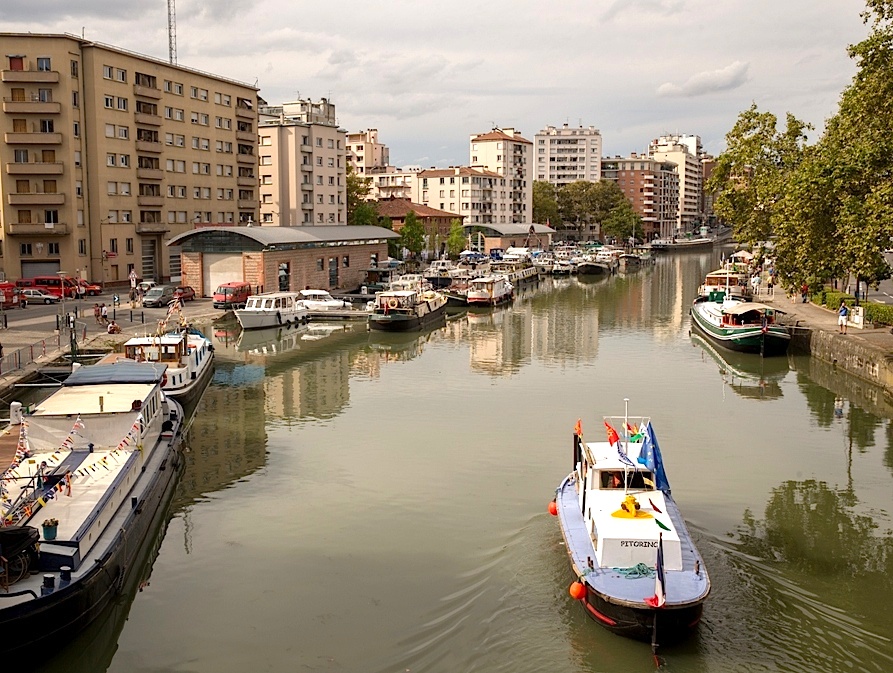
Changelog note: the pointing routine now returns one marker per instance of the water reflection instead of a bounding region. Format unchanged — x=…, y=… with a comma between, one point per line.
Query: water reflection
x=747, y=374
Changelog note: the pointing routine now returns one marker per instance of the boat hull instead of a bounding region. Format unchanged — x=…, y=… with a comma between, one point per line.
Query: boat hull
x=673, y=624
x=773, y=342
x=249, y=319
x=40, y=627
x=396, y=322
x=439, y=282
x=190, y=392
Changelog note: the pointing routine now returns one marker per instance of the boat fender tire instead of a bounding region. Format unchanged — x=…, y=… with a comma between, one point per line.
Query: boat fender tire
x=278, y=317
x=393, y=303
x=164, y=379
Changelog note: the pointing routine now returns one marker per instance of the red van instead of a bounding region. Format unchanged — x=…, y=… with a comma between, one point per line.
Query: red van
x=232, y=295
x=53, y=285
x=9, y=296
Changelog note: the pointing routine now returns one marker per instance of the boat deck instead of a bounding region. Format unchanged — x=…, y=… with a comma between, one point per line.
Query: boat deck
x=682, y=587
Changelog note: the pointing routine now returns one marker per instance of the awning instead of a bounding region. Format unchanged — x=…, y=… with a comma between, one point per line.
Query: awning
x=747, y=307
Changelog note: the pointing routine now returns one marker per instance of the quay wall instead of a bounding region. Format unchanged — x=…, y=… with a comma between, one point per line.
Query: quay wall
x=868, y=361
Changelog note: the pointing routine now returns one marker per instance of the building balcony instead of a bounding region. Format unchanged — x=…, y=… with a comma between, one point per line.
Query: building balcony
x=37, y=229
x=147, y=118
x=308, y=186
x=33, y=138
x=31, y=199
x=307, y=167
x=306, y=206
x=247, y=113
x=246, y=159
x=27, y=107
x=152, y=228
x=147, y=92
x=149, y=146
x=246, y=182
x=33, y=76
x=247, y=203
x=156, y=201
x=48, y=168
x=149, y=174
x=247, y=136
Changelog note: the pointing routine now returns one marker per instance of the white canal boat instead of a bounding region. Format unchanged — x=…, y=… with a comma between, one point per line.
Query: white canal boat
x=489, y=291
x=188, y=354
x=96, y=463
x=405, y=310
x=274, y=309
x=321, y=300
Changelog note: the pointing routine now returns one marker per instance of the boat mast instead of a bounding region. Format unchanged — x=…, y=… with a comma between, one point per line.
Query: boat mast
x=626, y=445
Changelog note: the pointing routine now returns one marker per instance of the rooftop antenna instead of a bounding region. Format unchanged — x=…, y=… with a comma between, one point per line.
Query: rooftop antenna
x=172, y=32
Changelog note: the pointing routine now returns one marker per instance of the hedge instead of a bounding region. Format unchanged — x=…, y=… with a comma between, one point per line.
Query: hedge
x=881, y=314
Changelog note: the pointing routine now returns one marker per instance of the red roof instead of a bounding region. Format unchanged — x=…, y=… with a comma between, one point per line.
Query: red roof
x=499, y=135
x=400, y=207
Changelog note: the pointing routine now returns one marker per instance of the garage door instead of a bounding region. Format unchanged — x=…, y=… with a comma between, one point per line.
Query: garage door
x=31, y=269
x=218, y=268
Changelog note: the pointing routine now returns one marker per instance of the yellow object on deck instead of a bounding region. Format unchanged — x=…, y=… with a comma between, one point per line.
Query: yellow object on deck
x=630, y=509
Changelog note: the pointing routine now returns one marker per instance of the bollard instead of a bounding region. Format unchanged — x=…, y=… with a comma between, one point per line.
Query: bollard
x=131, y=315
x=143, y=317
x=114, y=315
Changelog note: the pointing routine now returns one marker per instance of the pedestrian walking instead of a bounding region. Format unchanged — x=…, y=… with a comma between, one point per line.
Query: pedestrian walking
x=770, y=285
x=755, y=283
x=804, y=292
x=104, y=313
x=97, y=315
x=842, y=315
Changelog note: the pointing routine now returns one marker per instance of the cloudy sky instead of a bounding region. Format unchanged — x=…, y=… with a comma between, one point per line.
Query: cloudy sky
x=429, y=74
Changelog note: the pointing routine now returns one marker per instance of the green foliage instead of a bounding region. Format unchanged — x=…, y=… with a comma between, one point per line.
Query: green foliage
x=412, y=235
x=456, y=238
x=584, y=205
x=623, y=222
x=881, y=314
x=357, y=190
x=545, y=204
x=366, y=213
x=393, y=243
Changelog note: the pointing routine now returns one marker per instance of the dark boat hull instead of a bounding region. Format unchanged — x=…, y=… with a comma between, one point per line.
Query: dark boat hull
x=766, y=345
x=40, y=627
x=673, y=624
x=407, y=323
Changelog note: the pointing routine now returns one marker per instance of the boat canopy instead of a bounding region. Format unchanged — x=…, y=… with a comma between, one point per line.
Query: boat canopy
x=747, y=307
x=122, y=371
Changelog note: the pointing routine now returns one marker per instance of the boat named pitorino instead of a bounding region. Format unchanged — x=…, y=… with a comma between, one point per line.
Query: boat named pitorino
x=97, y=462
x=638, y=571
x=405, y=310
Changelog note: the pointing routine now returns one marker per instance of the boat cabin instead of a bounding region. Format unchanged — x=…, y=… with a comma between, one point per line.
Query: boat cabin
x=273, y=301
x=396, y=300
x=167, y=349
x=748, y=313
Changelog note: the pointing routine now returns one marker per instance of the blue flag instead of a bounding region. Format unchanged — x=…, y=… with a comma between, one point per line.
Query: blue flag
x=650, y=457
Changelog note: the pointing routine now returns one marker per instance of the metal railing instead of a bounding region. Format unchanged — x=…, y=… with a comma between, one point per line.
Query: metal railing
x=24, y=356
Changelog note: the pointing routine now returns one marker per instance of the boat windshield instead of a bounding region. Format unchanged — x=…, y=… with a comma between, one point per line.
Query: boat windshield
x=640, y=480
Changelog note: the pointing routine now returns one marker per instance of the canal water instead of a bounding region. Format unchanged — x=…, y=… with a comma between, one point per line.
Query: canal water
x=372, y=503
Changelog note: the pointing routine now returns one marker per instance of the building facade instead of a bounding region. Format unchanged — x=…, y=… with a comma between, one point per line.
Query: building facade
x=302, y=165
x=565, y=155
x=108, y=154
x=437, y=223
x=684, y=151
x=390, y=182
x=365, y=153
x=478, y=196
x=506, y=153
x=652, y=188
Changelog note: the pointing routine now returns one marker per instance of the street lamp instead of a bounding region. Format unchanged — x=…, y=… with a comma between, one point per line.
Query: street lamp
x=62, y=275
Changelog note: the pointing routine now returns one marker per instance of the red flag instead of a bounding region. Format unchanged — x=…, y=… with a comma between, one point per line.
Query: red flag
x=660, y=597
x=613, y=437
x=578, y=428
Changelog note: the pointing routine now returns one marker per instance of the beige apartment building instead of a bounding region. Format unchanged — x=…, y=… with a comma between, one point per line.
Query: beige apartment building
x=565, y=155
x=365, y=153
x=390, y=182
x=685, y=151
x=303, y=165
x=477, y=196
x=506, y=153
x=108, y=154
x=652, y=188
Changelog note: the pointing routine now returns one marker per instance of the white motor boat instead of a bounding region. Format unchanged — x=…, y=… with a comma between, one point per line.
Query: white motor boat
x=273, y=309
x=321, y=300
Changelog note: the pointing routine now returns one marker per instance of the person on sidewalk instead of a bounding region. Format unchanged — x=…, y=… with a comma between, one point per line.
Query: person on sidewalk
x=97, y=316
x=842, y=313
x=770, y=284
x=104, y=313
x=804, y=292
x=755, y=283
x=113, y=328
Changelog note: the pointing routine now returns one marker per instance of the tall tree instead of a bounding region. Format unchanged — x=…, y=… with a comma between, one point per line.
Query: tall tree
x=545, y=204
x=623, y=222
x=584, y=205
x=412, y=235
x=456, y=238
x=357, y=191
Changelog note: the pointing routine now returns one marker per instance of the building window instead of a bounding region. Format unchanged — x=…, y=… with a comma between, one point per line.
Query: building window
x=25, y=249
x=122, y=104
x=43, y=64
x=108, y=102
x=121, y=75
x=74, y=68
x=46, y=126
x=110, y=159
x=75, y=99
x=123, y=132
x=113, y=245
x=345, y=261
x=82, y=246
x=53, y=248
x=76, y=129
x=51, y=216
x=320, y=264
x=107, y=71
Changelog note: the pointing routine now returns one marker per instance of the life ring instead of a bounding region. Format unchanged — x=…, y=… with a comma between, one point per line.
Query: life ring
x=164, y=379
x=393, y=303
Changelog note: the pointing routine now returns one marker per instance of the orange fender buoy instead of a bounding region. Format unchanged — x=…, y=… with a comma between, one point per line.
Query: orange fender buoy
x=577, y=591
x=553, y=508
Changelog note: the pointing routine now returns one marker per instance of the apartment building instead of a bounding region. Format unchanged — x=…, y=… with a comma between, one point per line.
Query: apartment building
x=390, y=182
x=506, y=153
x=478, y=196
x=565, y=155
x=303, y=165
x=652, y=188
x=108, y=154
x=685, y=151
x=365, y=153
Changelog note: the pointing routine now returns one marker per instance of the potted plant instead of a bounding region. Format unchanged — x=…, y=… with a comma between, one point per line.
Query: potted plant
x=49, y=528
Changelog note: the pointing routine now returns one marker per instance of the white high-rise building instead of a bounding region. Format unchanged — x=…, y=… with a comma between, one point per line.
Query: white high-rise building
x=684, y=151
x=565, y=155
x=506, y=153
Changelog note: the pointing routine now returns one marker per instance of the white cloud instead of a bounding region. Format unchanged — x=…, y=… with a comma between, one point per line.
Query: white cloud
x=709, y=81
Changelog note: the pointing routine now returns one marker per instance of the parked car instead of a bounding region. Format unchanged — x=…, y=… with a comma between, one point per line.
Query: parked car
x=184, y=293
x=159, y=295
x=232, y=295
x=146, y=285
x=85, y=287
x=34, y=296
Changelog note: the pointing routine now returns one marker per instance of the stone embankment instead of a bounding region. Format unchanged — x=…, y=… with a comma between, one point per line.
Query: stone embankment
x=863, y=352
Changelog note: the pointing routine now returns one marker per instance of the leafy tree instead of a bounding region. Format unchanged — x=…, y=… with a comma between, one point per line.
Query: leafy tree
x=365, y=213
x=623, y=222
x=545, y=203
x=393, y=243
x=357, y=191
x=584, y=205
x=456, y=238
x=412, y=235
